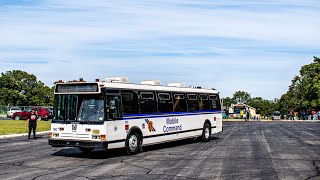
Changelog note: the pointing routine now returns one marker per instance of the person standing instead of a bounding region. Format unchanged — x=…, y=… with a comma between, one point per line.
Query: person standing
x=32, y=123
x=248, y=115
x=314, y=114
x=292, y=114
x=304, y=115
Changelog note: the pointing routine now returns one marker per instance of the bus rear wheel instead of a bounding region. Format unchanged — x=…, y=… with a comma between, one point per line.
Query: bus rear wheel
x=133, y=143
x=87, y=150
x=206, y=133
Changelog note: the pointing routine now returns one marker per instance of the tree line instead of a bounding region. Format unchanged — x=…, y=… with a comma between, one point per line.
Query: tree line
x=19, y=88
x=303, y=94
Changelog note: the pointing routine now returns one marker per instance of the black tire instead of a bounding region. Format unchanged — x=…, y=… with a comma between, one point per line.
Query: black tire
x=206, y=133
x=86, y=150
x=133, y=143
x=17, y=117
x=39, y=117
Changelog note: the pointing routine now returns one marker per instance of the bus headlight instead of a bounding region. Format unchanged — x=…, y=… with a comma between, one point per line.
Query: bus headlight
x=95, y=136
x=101, y=137
x=55, y=135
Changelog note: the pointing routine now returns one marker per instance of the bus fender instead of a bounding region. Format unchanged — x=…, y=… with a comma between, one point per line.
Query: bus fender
x=207, y=121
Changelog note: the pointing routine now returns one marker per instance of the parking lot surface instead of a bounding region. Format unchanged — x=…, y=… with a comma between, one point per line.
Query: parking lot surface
x=244, y=150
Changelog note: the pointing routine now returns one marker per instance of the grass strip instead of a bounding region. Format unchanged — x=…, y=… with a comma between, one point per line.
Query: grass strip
x=20, y=126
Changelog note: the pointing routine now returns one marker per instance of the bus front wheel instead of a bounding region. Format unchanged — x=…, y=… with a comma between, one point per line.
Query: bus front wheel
x=133, y=143
x=206, y=133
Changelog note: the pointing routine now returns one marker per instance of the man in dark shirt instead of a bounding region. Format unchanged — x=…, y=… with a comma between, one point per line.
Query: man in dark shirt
x=32, y=119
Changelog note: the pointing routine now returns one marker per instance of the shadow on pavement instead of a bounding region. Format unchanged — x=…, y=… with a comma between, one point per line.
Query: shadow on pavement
x=111, y=153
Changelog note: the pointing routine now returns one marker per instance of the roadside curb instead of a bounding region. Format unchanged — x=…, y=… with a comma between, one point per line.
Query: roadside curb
x=20, y=135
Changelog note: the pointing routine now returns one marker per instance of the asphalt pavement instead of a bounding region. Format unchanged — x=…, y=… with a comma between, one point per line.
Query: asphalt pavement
x=244, y=150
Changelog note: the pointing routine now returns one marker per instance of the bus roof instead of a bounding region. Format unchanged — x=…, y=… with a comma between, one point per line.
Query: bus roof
x=123, y=86
x=158, y=88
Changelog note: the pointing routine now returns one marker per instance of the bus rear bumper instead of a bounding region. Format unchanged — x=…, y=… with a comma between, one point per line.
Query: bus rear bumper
x=76, y=143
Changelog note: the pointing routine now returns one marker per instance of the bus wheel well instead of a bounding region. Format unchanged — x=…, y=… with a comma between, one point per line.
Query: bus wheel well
x=207, y=121
x=136, y=129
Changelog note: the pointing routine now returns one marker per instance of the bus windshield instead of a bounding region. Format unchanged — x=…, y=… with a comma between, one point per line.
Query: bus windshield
x=92, y=109
x=79, y=108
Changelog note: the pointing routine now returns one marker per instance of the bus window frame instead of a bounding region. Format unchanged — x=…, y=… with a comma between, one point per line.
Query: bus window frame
x=165, y=94
x=183, y=96
x=213, y=99
x=204, y=95
x=146, y=98
x=192, y=95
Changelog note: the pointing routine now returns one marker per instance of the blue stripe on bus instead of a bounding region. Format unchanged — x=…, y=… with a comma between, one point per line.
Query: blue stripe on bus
x=138, y=116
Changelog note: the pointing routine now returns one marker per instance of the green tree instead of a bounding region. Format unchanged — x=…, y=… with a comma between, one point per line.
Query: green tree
x=241, y=97
x=304, y=91
x=20, y=88
x=227, y=101
x=263, y=107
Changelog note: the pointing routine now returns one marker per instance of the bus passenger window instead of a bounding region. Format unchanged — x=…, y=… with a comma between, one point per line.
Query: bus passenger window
x=215, y=102
x=164, y=102
x=179, y=103
x=113, y=107
x=148, y=103
x=193, y=104
x=204, y=102
x=130, y=102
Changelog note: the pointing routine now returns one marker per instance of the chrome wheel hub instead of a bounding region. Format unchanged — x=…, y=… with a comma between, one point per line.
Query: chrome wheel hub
x=207, y=133
x=133, y=142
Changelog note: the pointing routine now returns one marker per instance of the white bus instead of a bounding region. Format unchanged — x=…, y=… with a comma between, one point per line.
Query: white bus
x=115, y=114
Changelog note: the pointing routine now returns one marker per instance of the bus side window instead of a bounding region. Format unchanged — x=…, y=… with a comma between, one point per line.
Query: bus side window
x=148, y=103
x=130, y=102
x=193, y=104
x=215, y=102
x=204, y=102
x=113, y=107
x=164, y=102
x=179, y=103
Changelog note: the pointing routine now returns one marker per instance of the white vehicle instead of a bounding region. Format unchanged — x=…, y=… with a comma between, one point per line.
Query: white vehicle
x=13, y=110
x=276, y=115
x=116, y=114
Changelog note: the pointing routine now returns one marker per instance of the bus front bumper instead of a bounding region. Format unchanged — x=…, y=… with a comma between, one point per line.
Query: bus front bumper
x=76, y=143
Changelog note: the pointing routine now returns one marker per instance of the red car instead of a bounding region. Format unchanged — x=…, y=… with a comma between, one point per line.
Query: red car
x=43, y=114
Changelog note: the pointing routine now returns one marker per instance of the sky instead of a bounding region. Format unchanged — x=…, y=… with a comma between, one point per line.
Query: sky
x=249, y=45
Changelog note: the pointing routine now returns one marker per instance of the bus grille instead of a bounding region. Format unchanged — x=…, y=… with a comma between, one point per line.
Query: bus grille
x=75, y=136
